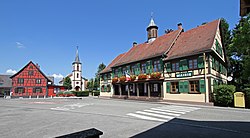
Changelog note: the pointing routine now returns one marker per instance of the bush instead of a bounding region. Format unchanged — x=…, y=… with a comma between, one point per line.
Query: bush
x=81, y=93
x=65, y=94
x=223, y=95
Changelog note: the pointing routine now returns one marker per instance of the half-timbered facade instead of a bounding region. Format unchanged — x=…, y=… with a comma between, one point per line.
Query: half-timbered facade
x=31, y=81
x=176, y=66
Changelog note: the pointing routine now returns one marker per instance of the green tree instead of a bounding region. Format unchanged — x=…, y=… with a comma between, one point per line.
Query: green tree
x=240, y=49
x=97, y=76
x=67, y=83
x=90, y=84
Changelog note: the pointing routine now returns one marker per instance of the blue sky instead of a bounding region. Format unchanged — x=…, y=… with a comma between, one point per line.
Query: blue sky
x=48, y=31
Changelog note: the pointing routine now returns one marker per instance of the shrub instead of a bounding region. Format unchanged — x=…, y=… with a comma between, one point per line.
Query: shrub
x=81, y=93
x=223, y=95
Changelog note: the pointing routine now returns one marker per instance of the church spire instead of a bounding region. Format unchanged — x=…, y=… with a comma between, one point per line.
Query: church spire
x=77, y=60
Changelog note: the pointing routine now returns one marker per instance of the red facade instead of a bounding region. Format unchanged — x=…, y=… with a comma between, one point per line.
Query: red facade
x=53, y=90
x=29, y=81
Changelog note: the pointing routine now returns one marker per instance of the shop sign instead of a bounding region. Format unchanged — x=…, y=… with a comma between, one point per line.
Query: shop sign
x=183, y=74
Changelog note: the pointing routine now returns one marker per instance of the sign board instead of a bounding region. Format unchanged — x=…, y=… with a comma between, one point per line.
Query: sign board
x=239, y=99
x=183, y=74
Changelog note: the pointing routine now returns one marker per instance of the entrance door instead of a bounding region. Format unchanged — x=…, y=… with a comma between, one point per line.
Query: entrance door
x=77, y=88
x=141, y=89
x=116, y=88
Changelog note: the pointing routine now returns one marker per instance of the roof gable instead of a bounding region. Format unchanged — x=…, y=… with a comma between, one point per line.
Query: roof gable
x=26, y=66
x=194, y=41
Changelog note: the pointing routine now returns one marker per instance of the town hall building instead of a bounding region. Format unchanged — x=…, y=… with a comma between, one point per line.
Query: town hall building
x=179, y=65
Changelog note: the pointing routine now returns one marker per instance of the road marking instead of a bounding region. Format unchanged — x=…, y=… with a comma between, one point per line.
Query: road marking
x=70, y=106
x=146, y=117
x=163, y=113
x=155, y=115
x=165, y=110
x=159, y=112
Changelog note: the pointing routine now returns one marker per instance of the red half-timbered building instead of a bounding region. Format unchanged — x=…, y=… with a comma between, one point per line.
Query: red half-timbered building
x=31, y=81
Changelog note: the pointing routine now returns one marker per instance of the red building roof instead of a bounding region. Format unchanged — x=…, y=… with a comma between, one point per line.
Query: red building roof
x=194, y=41
x=149, y=50
x=108, y=68
x=175, y=44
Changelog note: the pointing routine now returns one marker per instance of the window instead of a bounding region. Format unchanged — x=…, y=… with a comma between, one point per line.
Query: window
x=116, y=72
x=77, y=82
x=30, y=73
x=192, y=64
x=19, y=90
x=134, y=69
x=31, y=67
x=194, y=86
x=77, y=67
x=174, y=87
x=102, y=88
x=168, y=66
x=20, y=80
x=155, y=88
x=38, y=81
x=77, y=75
x=56, y=90
x=157, y=66
x=144, y=67
x=108, y=88
x=109, y=76
x=175, y=66
x=124, y=71
x=37, y=90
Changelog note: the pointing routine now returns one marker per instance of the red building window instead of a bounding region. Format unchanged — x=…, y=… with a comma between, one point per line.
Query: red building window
x=37, y=90
x=19, y=90
x=30, y=73
x=20, y=80
x=38, y=81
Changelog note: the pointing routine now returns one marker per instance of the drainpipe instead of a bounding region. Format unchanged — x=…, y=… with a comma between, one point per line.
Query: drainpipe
x=206, y=80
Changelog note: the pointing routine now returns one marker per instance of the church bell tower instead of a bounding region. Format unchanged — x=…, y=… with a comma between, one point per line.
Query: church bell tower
x=77, y=73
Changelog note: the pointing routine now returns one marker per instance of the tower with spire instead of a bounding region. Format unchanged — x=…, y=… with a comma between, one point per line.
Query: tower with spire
x=152, y=30
x=77, y=73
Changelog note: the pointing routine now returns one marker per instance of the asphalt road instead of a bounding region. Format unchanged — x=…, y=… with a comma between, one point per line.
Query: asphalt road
x=43, y=118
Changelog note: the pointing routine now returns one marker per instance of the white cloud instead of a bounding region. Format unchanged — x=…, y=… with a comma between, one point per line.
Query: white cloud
x=57, y=76
x=10, y=71
x=19, y=45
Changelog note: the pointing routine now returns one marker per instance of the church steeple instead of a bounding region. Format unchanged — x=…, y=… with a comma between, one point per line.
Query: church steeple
x=77, y=60
x=152, y=30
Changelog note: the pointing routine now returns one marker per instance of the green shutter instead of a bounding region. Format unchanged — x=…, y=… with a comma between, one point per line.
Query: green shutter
x=202, y=86
x=119, y=71
x=147, y=67
x=185, y=64
x=168, y=87
x=200, y=62
x=138, y=69
x=168, y=66
x=186, y=86
x=180, y=65
x=161, y=63
x=213, y=63
x=150, y=66
x=181, y=86
x=128, y=69
x=113, y=73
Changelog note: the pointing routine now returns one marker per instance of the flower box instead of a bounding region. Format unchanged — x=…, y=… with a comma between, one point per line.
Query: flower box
x=122, y=78
x=115, y=80
x=142, y=77
x=155, y=75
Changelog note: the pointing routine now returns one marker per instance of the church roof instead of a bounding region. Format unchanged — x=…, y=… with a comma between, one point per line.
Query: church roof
x=77, y=59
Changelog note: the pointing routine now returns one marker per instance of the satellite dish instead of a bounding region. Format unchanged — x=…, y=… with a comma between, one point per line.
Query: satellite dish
x=229, y=78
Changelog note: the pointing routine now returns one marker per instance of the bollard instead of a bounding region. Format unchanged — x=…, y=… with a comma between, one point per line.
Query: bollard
x=30, y=97
x=51, y=97
x=37, y=97
x=44, y=97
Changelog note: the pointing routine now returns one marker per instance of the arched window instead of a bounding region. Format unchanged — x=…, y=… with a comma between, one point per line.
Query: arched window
x=102, y=88
x=77, y=75
x=77, y=67
x=108, y=88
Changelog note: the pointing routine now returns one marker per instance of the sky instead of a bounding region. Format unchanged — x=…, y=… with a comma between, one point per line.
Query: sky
x=47, y=32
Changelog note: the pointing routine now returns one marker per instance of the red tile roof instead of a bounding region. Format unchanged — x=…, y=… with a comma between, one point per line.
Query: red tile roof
x=194, y=41
x=149, y=50
x=108, y=68
x=174, y=44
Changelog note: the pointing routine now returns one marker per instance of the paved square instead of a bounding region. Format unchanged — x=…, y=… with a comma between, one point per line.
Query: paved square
x=45, y=118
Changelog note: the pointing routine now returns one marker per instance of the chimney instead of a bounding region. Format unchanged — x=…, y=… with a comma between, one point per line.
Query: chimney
x=134, y=44
x=179, y=25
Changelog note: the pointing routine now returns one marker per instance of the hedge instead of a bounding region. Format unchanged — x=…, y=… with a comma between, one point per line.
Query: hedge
x=81, y=93
x=223, y=95
x=247, y=97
